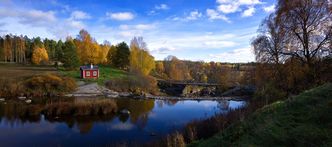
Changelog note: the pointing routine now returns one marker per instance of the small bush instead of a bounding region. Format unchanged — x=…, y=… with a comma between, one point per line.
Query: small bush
x=10, y=87
x=136, y=84
x=49, y=84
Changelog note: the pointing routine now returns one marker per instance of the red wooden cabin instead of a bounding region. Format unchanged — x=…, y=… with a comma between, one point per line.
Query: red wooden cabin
x=88, y=72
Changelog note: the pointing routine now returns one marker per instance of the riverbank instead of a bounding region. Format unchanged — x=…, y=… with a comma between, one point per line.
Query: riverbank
x=95, y=90
x=299, y=121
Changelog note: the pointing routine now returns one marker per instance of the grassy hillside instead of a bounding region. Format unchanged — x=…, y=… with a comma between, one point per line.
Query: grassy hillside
x=304, y=120
x=105, y=73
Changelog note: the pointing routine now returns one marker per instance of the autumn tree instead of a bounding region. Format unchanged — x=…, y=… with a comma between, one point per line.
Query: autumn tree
x=39, y=55
x=8, y=54
x=70, y=58
x=88, y=50
x=176, y=69
x=103, y=52
x=121, y=57
x=111, y=55
x=2, y=50
x=269, y=46
x=86, y=47
x=50, y=46
x=309, y=27
x=140, y=59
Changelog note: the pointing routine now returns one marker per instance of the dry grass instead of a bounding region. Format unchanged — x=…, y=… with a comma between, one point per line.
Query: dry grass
x=17, y=71
x=81, y=107
x=58, y=107
x=31, y=80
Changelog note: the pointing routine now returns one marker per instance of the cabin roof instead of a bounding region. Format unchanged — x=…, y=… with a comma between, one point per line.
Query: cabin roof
x=88, y=67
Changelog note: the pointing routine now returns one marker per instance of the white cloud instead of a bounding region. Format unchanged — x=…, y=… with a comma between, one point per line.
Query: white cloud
x=190, y=41
x=163, y=50
x=161, y=7
x=194, y=15
x=30, y=17
x=232, y=6
x=144, y=26
x=122, y=126
x=269, y=9
x=228, y=8
x=221, y=43
x=79, y=15
x=240, y=2
x=238, y=55
x=128, y=31
x=37, y=17
x=138, y=27
x=214, y=15
x=249, y=12
x=121, y=16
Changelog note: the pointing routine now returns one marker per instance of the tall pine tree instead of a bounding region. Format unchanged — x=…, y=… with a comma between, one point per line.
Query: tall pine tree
x=121, y=59
x=70, y=58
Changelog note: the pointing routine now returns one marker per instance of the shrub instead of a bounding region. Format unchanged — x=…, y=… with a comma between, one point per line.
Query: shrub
x=10, y=87
x=136, y=84
x=49, y=84
x=269, y=93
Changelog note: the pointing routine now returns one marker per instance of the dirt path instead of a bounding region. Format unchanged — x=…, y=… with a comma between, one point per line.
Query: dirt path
x=90, y=90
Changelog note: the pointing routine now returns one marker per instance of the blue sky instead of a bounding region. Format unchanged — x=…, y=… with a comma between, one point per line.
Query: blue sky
x=200, y=30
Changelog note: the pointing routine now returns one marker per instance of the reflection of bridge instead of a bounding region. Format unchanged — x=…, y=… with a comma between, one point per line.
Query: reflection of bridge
x=186, y=88
x=173, y=82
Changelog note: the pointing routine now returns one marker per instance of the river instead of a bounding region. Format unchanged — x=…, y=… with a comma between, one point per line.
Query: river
x=148, y=120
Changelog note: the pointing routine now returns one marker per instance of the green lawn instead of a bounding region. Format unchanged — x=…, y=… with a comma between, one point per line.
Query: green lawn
x=305, y=120
x=105, y=73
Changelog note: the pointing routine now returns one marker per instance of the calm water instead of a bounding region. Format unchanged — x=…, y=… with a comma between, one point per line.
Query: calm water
x=148, y=120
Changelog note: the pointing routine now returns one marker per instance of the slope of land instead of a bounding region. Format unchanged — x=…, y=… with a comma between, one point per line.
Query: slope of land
x=303, y=120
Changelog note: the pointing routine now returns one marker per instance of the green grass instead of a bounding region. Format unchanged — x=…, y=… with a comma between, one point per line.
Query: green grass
x=105, y=73
x=304, y=120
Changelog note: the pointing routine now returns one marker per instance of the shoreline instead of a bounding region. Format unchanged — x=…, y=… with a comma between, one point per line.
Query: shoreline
x=94, y=90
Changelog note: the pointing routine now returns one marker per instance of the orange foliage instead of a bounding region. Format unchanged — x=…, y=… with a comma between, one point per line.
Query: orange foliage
x=39, y=54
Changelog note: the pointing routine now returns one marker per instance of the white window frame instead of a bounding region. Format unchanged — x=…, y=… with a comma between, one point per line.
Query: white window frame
x=87, y=73
x=94, y=73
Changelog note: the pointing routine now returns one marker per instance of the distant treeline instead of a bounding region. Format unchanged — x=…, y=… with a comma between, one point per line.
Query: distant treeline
x=134, y=57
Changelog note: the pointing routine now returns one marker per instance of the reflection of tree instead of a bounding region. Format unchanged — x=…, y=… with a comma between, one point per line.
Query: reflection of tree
x=84, y=123
x=85, y=127
x=170, y=102
x=19, y=111
x=223, y=105
x=16, y=111
x=139, y=109
x=123, y=117
x=160, y=103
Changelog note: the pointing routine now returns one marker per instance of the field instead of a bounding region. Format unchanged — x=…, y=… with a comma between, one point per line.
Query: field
x=105, y=73
x=18, y=71
x=304, y=120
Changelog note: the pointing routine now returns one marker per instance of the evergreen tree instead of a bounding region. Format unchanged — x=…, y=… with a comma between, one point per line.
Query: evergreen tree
x=59, y=51
x=70, y=58
x=121, y=59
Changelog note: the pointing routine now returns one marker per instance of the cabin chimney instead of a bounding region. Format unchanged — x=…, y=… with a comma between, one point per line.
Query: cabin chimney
x=91, y=66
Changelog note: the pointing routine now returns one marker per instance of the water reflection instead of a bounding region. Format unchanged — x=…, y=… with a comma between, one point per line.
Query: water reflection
x=147, y=117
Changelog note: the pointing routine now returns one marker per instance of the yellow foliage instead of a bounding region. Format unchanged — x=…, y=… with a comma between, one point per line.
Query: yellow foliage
x=89, y=51
x=39, y=54
x=140, y=59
